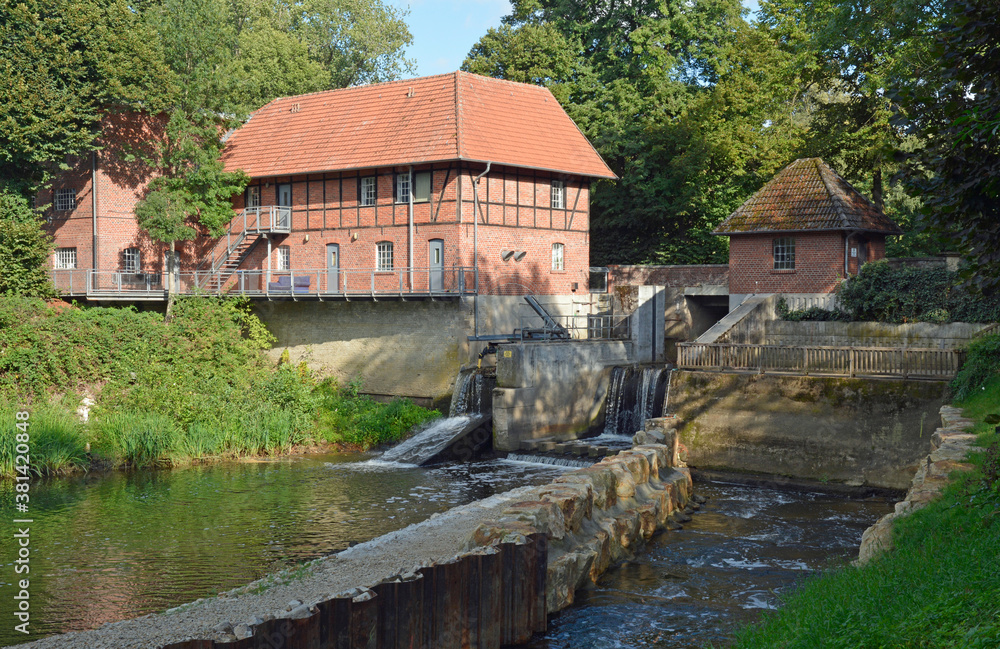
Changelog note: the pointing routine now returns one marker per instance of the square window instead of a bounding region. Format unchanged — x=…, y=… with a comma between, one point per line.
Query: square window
x=403, y=188
x=368, y=191
x=384, y=256
x=558, y=260
x=65, y=200
x=131, y=259
x=65, y=258
x=284, y=258
x=558, y=195
x=784, y=253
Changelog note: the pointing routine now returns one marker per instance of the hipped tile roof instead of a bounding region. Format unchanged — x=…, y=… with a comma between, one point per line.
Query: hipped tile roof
x=807, y=195
x=457, y=116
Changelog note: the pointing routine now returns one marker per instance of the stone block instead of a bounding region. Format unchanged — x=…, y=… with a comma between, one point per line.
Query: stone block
x=647, y=520
x=600, y=547
x=624, y=482
x=656, y=456
x=604, y=484
x=542, y=515
x=637, y=464
x=574, y=500
x=493, y=532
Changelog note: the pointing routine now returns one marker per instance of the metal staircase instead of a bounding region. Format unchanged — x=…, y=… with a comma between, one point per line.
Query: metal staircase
x=215, y=271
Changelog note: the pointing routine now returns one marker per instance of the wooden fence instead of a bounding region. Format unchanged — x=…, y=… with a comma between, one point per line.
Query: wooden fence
x=897, y=362
x=482, y=600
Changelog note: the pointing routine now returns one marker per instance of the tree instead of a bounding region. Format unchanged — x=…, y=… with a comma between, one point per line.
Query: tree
x=955, y=109
x=192, y=190
x=24, y=249
x=688, y=105
x=63, y=63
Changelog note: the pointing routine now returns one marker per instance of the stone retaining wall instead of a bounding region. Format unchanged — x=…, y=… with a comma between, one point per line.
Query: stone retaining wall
x=950, y=446
x=596, y=516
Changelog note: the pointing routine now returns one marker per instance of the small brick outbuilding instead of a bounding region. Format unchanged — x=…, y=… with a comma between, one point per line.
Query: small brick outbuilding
x=803, y=232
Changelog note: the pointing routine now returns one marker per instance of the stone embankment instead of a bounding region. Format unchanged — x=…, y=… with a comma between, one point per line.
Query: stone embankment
x=950, y=446
x=596, y=516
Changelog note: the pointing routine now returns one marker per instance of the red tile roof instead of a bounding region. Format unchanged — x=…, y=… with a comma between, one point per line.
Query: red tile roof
x=807, y=195
x=457, y=116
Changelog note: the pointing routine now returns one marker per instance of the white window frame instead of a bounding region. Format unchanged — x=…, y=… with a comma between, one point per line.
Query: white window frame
x=784, y=253
x=558, y=256
x=558, y=195
x=368, y=194
x=131, y=260
x=383, y=256
x=403, y=188
x=253, y=196
x=65, y=200
x=65, y=259
x=283, y=258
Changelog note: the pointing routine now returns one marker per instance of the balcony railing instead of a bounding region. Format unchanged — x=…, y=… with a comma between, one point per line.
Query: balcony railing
x=262, y=283
x=251, y=221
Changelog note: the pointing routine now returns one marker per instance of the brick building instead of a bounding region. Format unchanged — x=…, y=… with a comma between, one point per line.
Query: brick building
x=804, y=231
x=373, y=189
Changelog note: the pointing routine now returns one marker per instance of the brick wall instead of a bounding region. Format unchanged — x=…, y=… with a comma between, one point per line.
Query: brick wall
x=669, y=276
x=819, y=264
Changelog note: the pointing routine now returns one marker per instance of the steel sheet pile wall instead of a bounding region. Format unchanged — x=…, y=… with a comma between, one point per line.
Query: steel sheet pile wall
x=490, y=597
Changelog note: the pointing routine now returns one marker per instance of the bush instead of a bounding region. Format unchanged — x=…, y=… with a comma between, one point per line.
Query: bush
x=345, y=417
x=814, y=313
x=982, y=363
x=882, y=293
x=136, y=439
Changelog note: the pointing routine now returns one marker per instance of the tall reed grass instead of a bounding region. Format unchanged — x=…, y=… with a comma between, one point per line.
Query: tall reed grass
x=56, y=440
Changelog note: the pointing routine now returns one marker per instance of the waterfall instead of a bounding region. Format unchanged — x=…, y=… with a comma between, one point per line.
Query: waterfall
x=473, y=393
x=575, y=463
x=666, y=394
x=634, y=396
x=426, y=444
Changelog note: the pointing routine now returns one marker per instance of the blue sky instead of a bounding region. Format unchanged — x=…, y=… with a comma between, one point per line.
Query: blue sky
x=445, y=30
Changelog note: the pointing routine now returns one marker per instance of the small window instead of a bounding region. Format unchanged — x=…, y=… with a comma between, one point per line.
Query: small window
x=784, y=253
x=253, y=196
x=421, y=187
x=65, y=200
x=384, y=259
x=367, y=191
x=403, y=188
x=599, y=279
x=284, y=259
x=558, y=259
x=33, y=201
x=131, y=260
x=558, y=195
x=65, y=258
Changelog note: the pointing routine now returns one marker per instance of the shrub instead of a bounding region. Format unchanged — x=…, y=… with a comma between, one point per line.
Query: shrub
x=882, y=293
x=982, y=363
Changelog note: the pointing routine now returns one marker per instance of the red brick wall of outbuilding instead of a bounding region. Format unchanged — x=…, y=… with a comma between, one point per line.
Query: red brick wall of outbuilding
x=819, y=263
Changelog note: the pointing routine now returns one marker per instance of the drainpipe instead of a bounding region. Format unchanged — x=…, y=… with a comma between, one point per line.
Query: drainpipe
x=410, y=257
x=93, y=205
x=475, y=244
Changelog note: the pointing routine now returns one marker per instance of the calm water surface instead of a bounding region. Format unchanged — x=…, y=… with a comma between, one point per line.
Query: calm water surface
x=695, y=586
x=107, y=547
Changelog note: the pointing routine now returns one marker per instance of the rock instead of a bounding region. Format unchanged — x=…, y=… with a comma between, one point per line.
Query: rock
x=542, y=515
x=604, y=483
x=698, y=498
x=292, y=604
x=300, y=612
x=498, y=532
x=223, y=627
x=575, y=501
x=255, y=621
x=643, y=437
x=242, y=632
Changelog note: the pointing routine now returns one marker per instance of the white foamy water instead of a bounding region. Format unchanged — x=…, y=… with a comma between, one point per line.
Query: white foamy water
x=428, y=443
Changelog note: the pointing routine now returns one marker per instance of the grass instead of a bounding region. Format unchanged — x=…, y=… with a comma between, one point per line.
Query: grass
x=940, y=587
x=199, y=388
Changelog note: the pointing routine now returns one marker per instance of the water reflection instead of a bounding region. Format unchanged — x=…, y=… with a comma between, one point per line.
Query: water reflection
x=111, y=547
x=695, y=586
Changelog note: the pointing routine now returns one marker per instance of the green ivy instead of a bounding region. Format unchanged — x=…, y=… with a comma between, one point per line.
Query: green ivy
x=982, y=363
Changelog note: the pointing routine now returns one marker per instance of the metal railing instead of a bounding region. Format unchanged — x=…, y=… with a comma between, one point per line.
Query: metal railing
x=264, y=283
x=575, y=327
x=815, y=360
x=254, y=221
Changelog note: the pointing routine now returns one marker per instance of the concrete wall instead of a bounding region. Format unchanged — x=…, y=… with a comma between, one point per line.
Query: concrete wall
x=853, y=431
x=412, y=349
x=870, y=334
x=551, y=389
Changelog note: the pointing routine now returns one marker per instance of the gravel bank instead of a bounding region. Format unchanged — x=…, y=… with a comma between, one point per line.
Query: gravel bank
x=439, y=538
